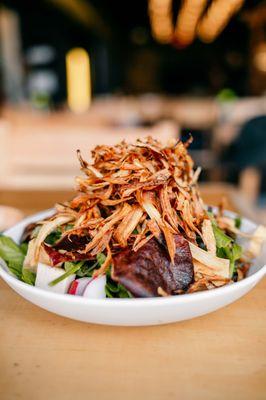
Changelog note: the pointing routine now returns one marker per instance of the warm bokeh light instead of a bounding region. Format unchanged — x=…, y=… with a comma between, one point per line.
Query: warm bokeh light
x=160, y=12
x=260, y=57
x=78, y=80
x=187, y=20
x=207, y=19
x=216, y=18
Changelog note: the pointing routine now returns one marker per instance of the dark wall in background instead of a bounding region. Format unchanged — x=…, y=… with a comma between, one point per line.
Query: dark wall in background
x=128, y=60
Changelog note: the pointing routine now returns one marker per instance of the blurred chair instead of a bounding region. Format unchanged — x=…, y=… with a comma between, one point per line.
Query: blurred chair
x=43, y=156
x=246, y=159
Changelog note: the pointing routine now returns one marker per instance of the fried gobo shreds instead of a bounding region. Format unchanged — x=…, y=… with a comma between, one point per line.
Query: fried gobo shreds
x=132, y=193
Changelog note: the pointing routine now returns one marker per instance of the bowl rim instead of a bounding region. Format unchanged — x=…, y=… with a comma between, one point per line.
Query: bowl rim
x=135, y=302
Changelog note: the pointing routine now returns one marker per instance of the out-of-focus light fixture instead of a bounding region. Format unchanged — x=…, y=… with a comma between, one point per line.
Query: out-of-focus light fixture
x=160, y=12
x=259, y=60
x=78, y=80
x=216, y=18
x=191, y=20
x=187, y=20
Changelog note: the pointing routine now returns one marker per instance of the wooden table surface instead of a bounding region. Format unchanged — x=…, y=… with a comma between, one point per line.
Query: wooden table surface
x=43, y=356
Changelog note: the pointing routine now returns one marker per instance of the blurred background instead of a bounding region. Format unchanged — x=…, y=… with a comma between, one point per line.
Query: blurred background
x=77, y=73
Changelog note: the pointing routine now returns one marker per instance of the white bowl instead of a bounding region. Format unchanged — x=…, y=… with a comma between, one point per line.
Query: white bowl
x=134, y=312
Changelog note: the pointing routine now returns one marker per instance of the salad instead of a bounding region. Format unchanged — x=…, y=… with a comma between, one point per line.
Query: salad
x=136, y=228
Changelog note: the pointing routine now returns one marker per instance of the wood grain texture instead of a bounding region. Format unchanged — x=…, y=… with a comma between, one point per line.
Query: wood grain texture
x=43, y=356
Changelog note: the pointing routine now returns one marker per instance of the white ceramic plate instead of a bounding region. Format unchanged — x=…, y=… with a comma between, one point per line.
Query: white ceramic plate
x=134, y=312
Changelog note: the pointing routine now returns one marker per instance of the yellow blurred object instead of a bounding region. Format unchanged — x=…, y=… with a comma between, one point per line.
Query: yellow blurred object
x=160, y=12
x=260, y=57
x=187, y=20
x=216, y=18
x=78, y=80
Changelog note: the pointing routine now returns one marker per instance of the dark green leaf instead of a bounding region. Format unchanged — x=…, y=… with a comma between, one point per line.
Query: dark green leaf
x=108, y=293
x=123, y=292
x=226, y=248
x=232, y=253
x=24, y=248
x=112, y=286
x=86, y=269
x=53, y=237
x=221, y=252
x=12, y=255
x=114, y=289
x=238, y=222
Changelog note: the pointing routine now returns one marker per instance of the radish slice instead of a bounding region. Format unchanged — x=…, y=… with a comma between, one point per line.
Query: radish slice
x=78, y=286
x=73, y=288
x=96, y=288
x=46, y=274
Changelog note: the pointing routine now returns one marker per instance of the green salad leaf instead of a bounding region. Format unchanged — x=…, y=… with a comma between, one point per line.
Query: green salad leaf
x=236, y=252
x=69, y=226
x=123, y=292
x=54, y=236
x=24, y=248
x=226, y=248
x=100, y=258
x=114, y=289
x=12, y=254
x=28, y=276
x=86, y=269
x=222, y=240
x=238, y=222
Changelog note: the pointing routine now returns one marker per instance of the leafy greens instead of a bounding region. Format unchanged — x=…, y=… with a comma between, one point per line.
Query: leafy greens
x=12, y=254
x=226, y=248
